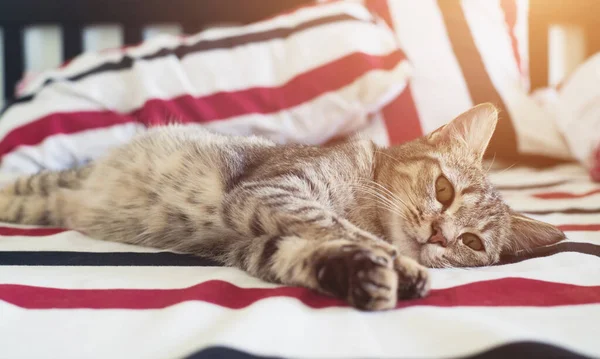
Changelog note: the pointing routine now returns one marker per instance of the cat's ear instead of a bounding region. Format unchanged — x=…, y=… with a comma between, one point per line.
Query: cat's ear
x=527, y=233
x=473, y=128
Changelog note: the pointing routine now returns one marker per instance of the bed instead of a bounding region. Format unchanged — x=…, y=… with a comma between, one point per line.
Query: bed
x=65, y=295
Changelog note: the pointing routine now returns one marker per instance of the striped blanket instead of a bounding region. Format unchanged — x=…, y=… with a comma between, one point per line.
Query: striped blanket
x=64, y=295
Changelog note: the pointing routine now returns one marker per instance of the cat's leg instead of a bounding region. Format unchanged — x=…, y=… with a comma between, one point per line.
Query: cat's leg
x=360, y=274
x=306, y=243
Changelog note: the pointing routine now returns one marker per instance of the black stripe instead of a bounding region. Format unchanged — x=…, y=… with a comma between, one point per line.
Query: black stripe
x=17, y=186
x=479, y=84
x=573, y=247
x=306, y=179
x=490, y=225
x=59, y=258
x=43, y=183
x=318, y=218
x=529, y=350
x=270, y=247
x=30, y=184
x=223, y=352
x=470, y=189
x=200, y=46
x=64, y=179
x=256, y=226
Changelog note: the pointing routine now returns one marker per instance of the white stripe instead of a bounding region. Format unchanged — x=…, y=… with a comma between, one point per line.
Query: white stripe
x=567, y=267
x=561, y=218
x=438, y=87
x=523, y=176
x=66, y=241
x=125, y=277
x=592, y=237
x=578, y=187
x=332, y=114
x=530, y=204
x=284, y=327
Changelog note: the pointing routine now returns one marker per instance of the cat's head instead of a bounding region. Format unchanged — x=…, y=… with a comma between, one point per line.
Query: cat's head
x=441, y=209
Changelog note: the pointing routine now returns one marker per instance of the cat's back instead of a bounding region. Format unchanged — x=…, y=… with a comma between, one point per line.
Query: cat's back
x=164, y=148
x=182, y=169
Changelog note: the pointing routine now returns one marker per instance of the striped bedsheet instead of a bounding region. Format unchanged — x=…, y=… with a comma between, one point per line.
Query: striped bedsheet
x=64, y=295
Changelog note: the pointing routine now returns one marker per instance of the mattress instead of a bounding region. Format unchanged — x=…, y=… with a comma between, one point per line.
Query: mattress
x=64, y=295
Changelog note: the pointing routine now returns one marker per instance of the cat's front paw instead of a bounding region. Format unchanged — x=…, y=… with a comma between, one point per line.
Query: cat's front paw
x=362, y=275
x=413, y=278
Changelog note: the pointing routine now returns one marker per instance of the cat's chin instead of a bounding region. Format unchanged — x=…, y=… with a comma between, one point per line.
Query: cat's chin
x=408, y=247
x=431, y=256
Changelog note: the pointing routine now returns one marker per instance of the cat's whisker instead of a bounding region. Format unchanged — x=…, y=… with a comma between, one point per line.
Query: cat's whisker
x=491, y=164
x=391, y=157
x=506, y=169
x=395, y=197
x=390, y=205
x=390, y=193
x=380, y=199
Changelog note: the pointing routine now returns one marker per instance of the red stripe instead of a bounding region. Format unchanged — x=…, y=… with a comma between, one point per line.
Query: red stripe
x=264, y=100
x=502, y=292
x=381, y=8
x=401, y=119
x=565, y=195
x=30, y=232
x=579, y=227
x=510, y=15
x=400, y=116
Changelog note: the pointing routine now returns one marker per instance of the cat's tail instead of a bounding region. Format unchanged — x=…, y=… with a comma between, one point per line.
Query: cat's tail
x=36, y=199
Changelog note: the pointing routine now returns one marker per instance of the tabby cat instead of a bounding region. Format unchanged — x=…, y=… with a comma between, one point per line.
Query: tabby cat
x=353, y=220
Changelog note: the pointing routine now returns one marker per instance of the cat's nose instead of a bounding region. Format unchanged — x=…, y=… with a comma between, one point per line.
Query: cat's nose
x=438, y=237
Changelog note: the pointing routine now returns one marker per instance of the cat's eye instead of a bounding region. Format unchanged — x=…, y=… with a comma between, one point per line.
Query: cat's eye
x=444, y=192
x=472, y=241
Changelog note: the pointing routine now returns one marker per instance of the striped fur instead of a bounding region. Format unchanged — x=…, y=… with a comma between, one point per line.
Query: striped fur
x=351, y=220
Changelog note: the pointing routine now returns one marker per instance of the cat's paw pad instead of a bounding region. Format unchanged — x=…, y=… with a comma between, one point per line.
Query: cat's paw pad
x=413, y=278
x=364, y=276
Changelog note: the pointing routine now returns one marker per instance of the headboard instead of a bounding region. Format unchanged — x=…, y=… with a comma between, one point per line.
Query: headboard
x=132, y=15
x=193, y=15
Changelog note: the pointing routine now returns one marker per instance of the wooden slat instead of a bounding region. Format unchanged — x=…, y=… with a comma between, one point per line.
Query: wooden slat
x=132, y=34
x=539, y=67
x=13, y=58
x=202, y=12
x=72, y=37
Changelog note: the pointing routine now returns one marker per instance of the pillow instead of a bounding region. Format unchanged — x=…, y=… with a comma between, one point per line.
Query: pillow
x=576, y=108
x=465, y=53
x=304, y=76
